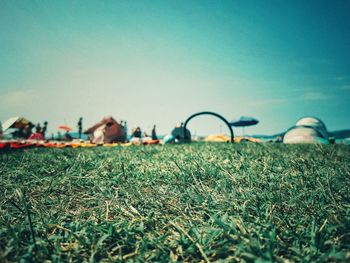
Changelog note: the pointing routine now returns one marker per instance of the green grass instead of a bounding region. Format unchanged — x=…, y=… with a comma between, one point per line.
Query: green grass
x=196, y=202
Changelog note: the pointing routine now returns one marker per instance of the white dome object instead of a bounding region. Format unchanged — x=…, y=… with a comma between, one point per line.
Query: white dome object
x=303, y=134
x=315, y=123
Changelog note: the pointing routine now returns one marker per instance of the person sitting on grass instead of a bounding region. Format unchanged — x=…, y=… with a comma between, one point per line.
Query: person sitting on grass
x=137, y=133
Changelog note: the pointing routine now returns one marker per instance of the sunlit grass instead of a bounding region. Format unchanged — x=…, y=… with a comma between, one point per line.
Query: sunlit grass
x=196, y=202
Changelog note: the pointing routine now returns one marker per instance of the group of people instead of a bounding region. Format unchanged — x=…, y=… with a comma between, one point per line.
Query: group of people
x=25, y=131
x=137, y=133
x=108, y=130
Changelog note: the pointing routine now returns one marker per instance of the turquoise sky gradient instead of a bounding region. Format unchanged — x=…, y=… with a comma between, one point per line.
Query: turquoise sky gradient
x=157, y=62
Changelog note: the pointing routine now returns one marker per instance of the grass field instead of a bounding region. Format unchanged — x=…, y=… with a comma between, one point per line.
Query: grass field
x=196, y=202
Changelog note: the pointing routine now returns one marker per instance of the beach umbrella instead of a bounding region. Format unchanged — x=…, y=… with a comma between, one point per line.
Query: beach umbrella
x=65, y=128
x=15, y=122
x=8, y=123
x=243, y=122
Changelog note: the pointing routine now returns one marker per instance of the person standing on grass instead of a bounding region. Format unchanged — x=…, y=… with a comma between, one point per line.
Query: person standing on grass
x=44, y=129
x=80, y=126
x=154, y=134
x=125, y=129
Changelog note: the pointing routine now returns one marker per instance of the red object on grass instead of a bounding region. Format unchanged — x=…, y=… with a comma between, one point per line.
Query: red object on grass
x=36, y=136
x=3, y=145
x=18, y=145
x=151, y=142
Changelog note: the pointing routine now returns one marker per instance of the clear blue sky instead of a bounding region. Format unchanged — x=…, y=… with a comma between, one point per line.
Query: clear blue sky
x=157, y=62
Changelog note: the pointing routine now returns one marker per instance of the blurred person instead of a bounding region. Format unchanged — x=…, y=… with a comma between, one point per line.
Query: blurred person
x=67, y=137
x=38, y=128
x=125, y=129
x=137, y=133
x=36, y=136
x=80, y=126
x=24, y=132
x=44, y=129
x=38, y=133
x=181, y=134
x=154, y=134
